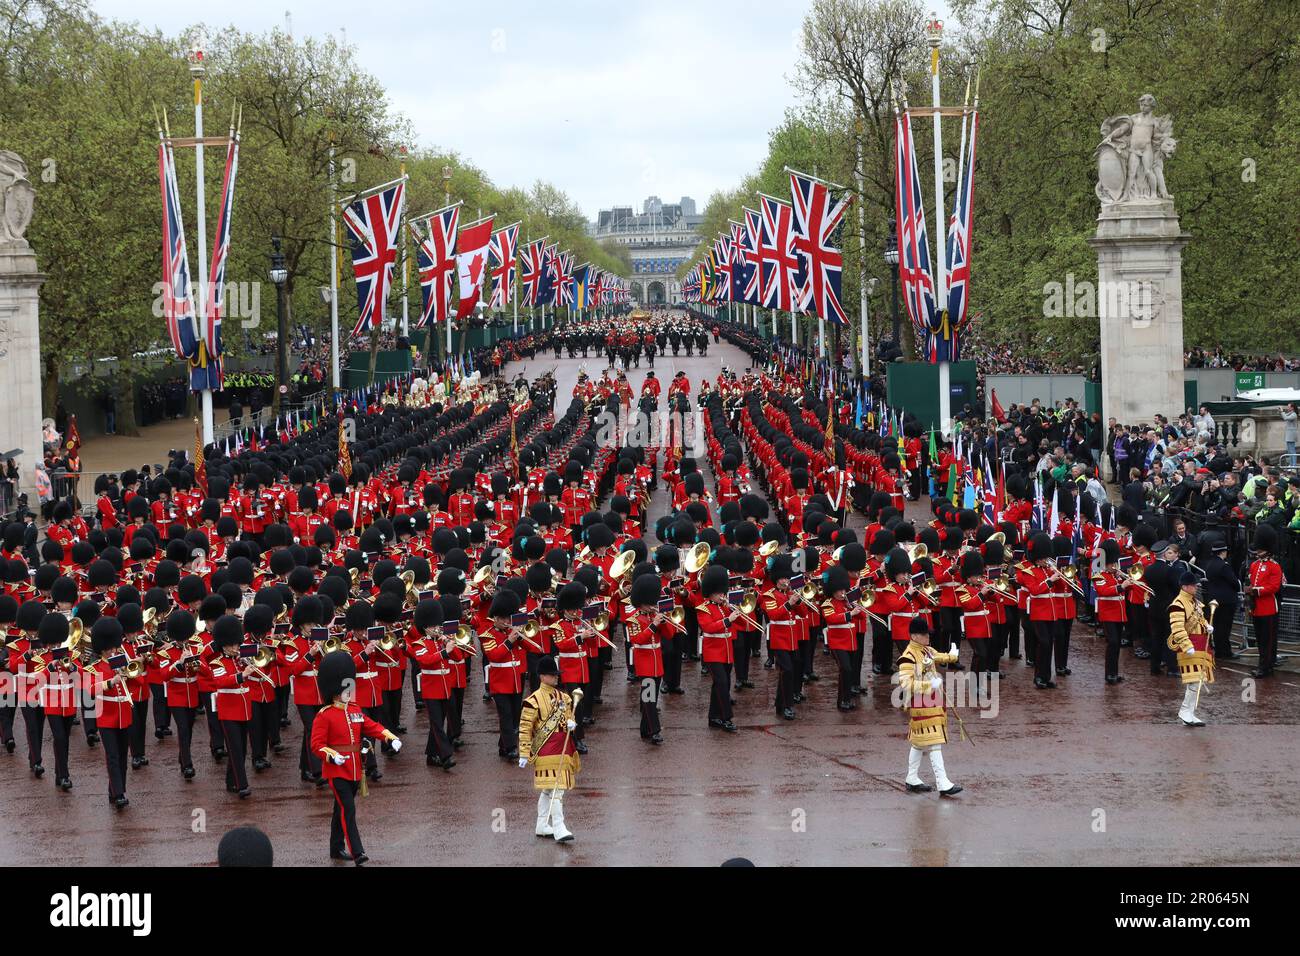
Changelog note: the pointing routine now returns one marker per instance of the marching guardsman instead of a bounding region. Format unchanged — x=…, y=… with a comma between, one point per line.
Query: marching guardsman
x=1263, y=583
x=1189, y=636
x=227, y=677
x=647, y=629
x=58, y=693
x=922, y=693
x=839, y=614
x=574, y=664
x=779, y=604
x=546, y=725
x=973, y=603
x=180, y=663
x=1035, y=577
x=429, y=652
x=112, y=703
x=715, y=618
x=503, y=651
x=337, y=735
x=1110, y=586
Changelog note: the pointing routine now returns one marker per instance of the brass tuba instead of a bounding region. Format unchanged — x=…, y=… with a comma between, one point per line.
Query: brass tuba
x=697, y=557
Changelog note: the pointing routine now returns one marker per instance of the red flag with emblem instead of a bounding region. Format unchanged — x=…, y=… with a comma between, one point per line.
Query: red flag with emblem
x=472, y=264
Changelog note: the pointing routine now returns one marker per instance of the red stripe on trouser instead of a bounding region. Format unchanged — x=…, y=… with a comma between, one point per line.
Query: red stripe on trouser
x=343, y=815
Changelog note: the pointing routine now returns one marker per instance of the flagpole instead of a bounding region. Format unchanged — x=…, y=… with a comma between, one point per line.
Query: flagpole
x=402, y=239
x=862, y=254
x=334, y=273
x=197, y=70
x=934, y=33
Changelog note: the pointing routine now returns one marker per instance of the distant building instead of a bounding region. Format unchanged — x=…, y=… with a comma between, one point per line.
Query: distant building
x=660, y=239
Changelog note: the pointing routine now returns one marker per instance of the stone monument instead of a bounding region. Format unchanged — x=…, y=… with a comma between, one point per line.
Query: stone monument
x=20, y=336
x=1139, y=269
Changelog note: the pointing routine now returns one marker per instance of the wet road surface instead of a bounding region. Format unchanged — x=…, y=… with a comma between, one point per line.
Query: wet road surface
x=1084, y=775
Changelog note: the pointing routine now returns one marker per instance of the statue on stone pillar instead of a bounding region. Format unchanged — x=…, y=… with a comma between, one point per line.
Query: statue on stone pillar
x=17, y=196
x=1131, y=155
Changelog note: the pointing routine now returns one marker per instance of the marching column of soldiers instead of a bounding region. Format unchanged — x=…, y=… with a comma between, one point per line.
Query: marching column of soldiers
x=488, y=540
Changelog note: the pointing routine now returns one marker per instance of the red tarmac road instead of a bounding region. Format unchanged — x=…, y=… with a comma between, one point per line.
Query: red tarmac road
x=1083, y=775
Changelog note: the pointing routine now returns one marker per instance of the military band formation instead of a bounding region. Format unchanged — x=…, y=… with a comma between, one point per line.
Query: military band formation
x=485, y=543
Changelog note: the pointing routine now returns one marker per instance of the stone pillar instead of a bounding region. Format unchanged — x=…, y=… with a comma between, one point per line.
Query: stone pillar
x=20, y=338
x=1140, y=306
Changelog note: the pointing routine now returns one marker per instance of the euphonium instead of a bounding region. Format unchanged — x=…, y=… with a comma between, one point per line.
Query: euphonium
x=264, y=657
x=331, y=644
x=133, y=670
x=481, y=576
x=389, y=642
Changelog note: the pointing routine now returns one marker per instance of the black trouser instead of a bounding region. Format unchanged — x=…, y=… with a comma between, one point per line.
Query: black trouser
x=60, y=729
x=1030, y=634
x=344, y=834
x=855, y=659
x=1112, y=630
x=534, y=681
x=7, y=714
x=880, y=650
x=236, y=735
x=216, y=733
x=1138, y=627
x=456, y=713
x=139, y=718
x=281, y=710
x=720, y=694
x=116, y=745
x=1044, y=634
x=391, y=708
x=980, y=661
x=844, y=690
x=266, y=715
x=672, y=679
x=740, y=651
x=89, y=723
x=185, y=717
x=308, y=761
x=34, y=720
x=997, y=644
x=1063, y=642
x=1151, y=642
x=787, y=682
x=162, y=718
x=1266, y=641
x=1011, y=643
x=508, y=707
x=438, y=744
x=807, y=653
x=597, y=682
x=649, y=706
x=372, y=760
x=1224, y=615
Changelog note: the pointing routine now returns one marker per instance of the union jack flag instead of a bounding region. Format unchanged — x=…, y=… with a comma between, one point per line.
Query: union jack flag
x=562, y=277
x=531, y=259
x=914, y=266
x=177, y=296
x=501, y=251
x=959, y=245
x=818, y=216
x=753, y=234
x=722, y=267
x=436, y=262
x=375, y=222
x=781, y=263
x=220, y=255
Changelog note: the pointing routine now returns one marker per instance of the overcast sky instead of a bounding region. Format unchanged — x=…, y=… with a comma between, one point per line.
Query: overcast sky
x=606, y=100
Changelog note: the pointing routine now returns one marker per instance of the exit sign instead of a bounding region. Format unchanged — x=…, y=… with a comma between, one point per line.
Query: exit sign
x=1246, y=381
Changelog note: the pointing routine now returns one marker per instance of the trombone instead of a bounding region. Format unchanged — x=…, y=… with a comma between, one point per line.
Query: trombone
x=1070, y=575
x=1135, y=575
x=748, y=604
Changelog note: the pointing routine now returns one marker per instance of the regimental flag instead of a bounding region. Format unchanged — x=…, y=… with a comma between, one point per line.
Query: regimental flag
x=781, y=263
x=177, y=296
x=960, y=234
x=722, y=266
x=530, y=275
x=200, y=467
x=220, y=256
x=375, y=222
x=914, y=267
x=345, y=454
x=502, y=252
x=472, y=264
x=580, y=288
x=436, y=263
x=818, y=218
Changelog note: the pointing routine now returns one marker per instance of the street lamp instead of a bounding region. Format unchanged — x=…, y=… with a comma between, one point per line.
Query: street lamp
x=891, y=258
x=279, y=275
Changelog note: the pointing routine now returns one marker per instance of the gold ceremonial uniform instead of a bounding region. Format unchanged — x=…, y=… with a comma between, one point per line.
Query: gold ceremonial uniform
x=927, y=725
x=544, y=739
x=1189, y=630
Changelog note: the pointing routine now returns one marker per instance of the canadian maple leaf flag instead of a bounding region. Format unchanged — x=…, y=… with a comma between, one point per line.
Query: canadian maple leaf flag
x=472, y=264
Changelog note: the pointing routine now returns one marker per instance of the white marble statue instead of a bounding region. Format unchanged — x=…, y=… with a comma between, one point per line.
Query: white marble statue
x=1131, y=155
x=17, y=196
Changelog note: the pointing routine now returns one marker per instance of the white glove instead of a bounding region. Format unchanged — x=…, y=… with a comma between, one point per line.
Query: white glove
x=338, y=760
x=1190, y=650
x=936, y=683
x=396, y=744
x=572, y=725
x=523, y=762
